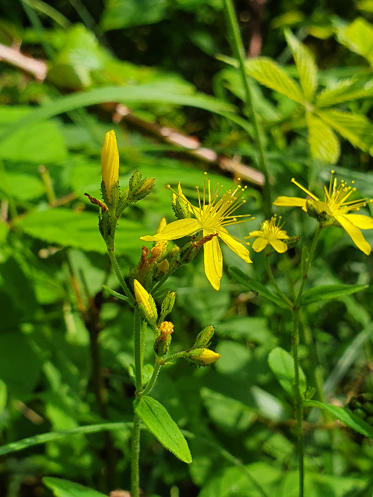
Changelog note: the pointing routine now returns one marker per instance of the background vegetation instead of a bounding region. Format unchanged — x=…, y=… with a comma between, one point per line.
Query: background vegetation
x=160, y=73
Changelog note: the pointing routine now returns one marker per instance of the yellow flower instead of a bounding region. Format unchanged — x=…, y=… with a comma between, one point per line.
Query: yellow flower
x=336, y=206
x=214, y=212
x=270, y=233
x=110, y=162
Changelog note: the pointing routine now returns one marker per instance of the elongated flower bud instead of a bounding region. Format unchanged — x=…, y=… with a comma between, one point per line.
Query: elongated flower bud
x=145, y=302
x=110, y=162
x=203, y=357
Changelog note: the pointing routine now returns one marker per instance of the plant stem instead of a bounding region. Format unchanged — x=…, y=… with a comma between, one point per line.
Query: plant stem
x=150, y=385
x=273, y=281
x=118, y=272
x=239, y=53
x=294, y=347
x=298, y=401
x=139, y=328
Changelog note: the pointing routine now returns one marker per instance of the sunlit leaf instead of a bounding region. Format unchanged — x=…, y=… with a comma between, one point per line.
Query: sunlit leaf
x=324, y=145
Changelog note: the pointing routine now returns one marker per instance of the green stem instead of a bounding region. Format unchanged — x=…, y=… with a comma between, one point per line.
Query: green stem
x=239, y=53
x=295, y=343
x=135, y=456
x=298, y=401
x=139, y=327
x=118, y=272
x=150, y=385
x=273, y=281
x=308, y=264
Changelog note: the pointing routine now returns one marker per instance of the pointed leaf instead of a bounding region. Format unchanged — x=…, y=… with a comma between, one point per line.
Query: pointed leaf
x=65, y=488
x=344, y=91
x=356, y=128
x=358, y=37
x=305, y=63
x=163, y=427
x=282, y=365
x=345, y=415
x=330, y=292
x=324, y=145
x=270, y=74
x=256, y=286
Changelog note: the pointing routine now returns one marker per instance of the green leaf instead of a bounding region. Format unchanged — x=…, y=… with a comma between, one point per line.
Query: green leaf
x=163, y=427
x=125, y=13
x=270, y=74
x=305, y=63
x=151, y=93
x=358, y=37
x=344, y=91
x=65, y=488
x=344, y=415
x=282, y=365
x=69, y=228
x=115, y=294
x=38, y=143
x=256, y=286
x=3, y=397
x=324, y=145
x=43, y=438
x=330, y=292
x=356, y=128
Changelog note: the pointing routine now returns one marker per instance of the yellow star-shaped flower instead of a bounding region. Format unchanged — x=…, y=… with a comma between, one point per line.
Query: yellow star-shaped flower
x=271, y=233
x=213, y=213
x=337, y=207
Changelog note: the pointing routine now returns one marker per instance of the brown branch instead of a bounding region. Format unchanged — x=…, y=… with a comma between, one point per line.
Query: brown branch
x=36, y=67
x=191, y=144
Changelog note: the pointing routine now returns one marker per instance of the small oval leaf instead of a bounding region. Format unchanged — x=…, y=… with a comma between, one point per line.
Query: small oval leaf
x=282, y=365
x=65, y=488
x=163, y=427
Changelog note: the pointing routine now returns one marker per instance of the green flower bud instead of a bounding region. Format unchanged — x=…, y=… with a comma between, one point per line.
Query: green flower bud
x=167, y=305
x=204, y=337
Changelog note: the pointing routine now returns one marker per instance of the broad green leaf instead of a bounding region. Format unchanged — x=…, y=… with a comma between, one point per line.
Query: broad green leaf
x=282, y=365
x=256, y=286
x=324, y=145
x=358, y=37
x=344, y=415
x=38, y=143
x=330, y=292
x=22, y=186
x=69, y=228
x=270, y=74
x=125, y=13
x=344, y=91
x=159, y=422
x=65, y=488
x=305, y=63
x=356, y=128
x=43, y=438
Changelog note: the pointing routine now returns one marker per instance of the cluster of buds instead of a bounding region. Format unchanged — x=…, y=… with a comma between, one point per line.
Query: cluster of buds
x=115, y=199
x=199, y=354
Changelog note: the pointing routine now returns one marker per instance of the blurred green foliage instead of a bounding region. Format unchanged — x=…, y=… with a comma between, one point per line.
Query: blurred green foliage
x=53, y=263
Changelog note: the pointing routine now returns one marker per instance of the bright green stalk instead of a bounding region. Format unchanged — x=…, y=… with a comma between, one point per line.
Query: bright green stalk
x=295, y=343
x=150, y=385
x=138, y=335
x=239, y=53
x=118, y=272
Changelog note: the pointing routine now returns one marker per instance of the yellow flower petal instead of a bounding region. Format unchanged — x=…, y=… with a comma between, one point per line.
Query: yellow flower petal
x=235, y=245
x=260, y=244
x=255, y=233
x=175, y=230
x=279, y=246
x=290, y=202
x=110, y=162
x=213, y=261
x=360, y=221
x=354, y=232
